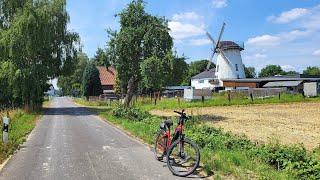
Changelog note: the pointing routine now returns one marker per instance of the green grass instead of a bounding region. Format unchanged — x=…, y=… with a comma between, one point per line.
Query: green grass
x=225, y=163
x=90, y=103
x=218, y=100
x=21, y=124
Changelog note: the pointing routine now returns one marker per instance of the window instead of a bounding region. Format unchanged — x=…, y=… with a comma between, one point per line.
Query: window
x=238, y=76
x=237, y=69
x=201, y=81
x=217, y=68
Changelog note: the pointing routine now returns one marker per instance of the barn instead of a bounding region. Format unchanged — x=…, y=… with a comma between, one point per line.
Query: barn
x=108, y=78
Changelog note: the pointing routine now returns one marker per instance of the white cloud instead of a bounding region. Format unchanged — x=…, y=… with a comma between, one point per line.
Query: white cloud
x=316, y=52
x=220, y=3
x=288, y=67
x=186, y=16
x=259, y=55
x=264, y=40
x=294, y=34
x=288, y=16
x=200, y=42
x=180, y=30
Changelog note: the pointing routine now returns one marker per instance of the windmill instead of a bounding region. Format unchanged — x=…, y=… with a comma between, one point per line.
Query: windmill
x=229, y=62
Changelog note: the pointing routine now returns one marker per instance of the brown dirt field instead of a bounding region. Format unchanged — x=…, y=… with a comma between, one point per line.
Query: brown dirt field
x=287, y=123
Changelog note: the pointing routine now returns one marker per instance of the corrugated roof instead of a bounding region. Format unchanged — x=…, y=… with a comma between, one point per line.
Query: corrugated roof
x=283, y=84
x=271, y=79
x=205, y=74
x=107, y=75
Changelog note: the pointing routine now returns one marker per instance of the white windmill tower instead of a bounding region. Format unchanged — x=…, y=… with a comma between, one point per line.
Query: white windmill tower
x=229, y=62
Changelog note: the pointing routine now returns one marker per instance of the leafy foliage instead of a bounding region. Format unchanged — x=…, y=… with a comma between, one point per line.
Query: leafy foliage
x=141, y=36
x=250, y=72
x=91, y=84
x=71, y=84
x=312, y=71
x=35, y=39
x=271, y=70
x=100, y=58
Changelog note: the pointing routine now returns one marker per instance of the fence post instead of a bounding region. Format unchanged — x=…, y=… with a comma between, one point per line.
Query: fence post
x=229, y=96
x=251, y=96
x=5, y=132
x=279, y=95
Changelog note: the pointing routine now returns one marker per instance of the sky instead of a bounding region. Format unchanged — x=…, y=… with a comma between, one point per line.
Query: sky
x=285, y=33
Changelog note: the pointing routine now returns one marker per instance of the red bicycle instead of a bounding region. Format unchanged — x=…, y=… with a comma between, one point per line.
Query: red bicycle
x=182, y=155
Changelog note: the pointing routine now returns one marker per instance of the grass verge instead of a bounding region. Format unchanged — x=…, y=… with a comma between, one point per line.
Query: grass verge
x=218, y=154
x=21, y=124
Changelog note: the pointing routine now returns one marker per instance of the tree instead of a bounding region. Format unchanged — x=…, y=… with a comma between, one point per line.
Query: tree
x=100, y=58
x=271, y=70
x=197, y=67
x=292, y=73
x=312, y=71
x=141, y=36
x=179, y=72
x=69, y=84
x=34, y=37
x=152, y=73
x=91, y=84
x=250, y=72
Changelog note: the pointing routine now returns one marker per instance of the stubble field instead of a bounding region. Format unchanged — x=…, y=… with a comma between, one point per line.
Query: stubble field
x=290, y=123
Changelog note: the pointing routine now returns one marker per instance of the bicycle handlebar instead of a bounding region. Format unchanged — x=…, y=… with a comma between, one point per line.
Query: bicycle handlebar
x=181, y=113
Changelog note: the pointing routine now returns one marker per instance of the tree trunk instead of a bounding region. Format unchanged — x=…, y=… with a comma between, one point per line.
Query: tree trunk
x=132, y=84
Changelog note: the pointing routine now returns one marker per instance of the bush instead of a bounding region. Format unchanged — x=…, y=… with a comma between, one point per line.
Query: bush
x=134, y=114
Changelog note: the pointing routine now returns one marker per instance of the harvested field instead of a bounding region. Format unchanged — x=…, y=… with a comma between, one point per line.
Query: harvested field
x=287, y=123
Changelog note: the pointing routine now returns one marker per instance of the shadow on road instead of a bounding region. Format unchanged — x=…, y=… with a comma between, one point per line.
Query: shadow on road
x=73, y=111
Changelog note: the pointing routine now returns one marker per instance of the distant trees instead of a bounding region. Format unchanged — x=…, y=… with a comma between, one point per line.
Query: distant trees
x=250, y=72
x=271, y=70
x=71, y=84
x=100, y=58
x=91, y=84
x=35, y=46
x=312, y=71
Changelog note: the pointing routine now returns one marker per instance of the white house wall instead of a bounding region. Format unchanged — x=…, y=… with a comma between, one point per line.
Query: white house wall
x=195, y=83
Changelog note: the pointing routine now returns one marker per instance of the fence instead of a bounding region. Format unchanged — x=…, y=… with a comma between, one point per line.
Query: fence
x=258, y=92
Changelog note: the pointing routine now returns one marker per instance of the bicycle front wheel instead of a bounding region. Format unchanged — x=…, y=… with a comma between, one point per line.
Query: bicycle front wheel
x=183, y=157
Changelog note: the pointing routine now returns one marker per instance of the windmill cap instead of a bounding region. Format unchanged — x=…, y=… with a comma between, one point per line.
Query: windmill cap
x=231, y=45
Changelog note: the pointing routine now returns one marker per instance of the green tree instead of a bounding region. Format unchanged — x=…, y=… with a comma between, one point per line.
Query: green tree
x=271, y=70
x=197, y=67
x=180, y=70
x=152, y=73
x=250, y=72
x=91, y=84
x=100, y=58
x=34, y=37
x=141, y=36
x=69, y=84
x=292, y=73
x=312, y=71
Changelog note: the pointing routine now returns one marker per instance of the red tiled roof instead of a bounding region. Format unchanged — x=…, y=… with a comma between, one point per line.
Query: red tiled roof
x=107, y=75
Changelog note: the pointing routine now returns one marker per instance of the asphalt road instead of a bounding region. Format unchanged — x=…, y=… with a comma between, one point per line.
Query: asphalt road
x=70, y=142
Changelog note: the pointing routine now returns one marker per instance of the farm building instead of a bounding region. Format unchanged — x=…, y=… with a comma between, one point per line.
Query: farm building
x=107, y=78
x=173, y=91
x=204, y=80
x=294, y=84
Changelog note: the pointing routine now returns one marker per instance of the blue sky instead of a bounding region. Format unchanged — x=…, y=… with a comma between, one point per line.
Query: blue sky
x=285, y=32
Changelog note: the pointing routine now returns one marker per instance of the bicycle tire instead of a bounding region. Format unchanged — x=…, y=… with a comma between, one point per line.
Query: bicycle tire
x=197, y=158
x=160, y=154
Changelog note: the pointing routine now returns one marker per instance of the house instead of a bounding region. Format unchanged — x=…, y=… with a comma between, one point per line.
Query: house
x=204, y=80
x=108, y=78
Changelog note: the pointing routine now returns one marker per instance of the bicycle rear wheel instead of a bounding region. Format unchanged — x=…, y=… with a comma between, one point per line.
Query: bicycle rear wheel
x=183, y=157
x=160, y=145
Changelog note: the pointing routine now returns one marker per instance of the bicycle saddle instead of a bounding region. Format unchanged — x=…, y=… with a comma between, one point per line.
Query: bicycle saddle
x=167, y=123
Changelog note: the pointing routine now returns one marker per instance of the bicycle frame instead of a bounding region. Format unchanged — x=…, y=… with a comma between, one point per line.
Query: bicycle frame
x=178, y=133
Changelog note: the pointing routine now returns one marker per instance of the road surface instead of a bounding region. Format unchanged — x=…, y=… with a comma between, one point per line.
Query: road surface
x=70, y=142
